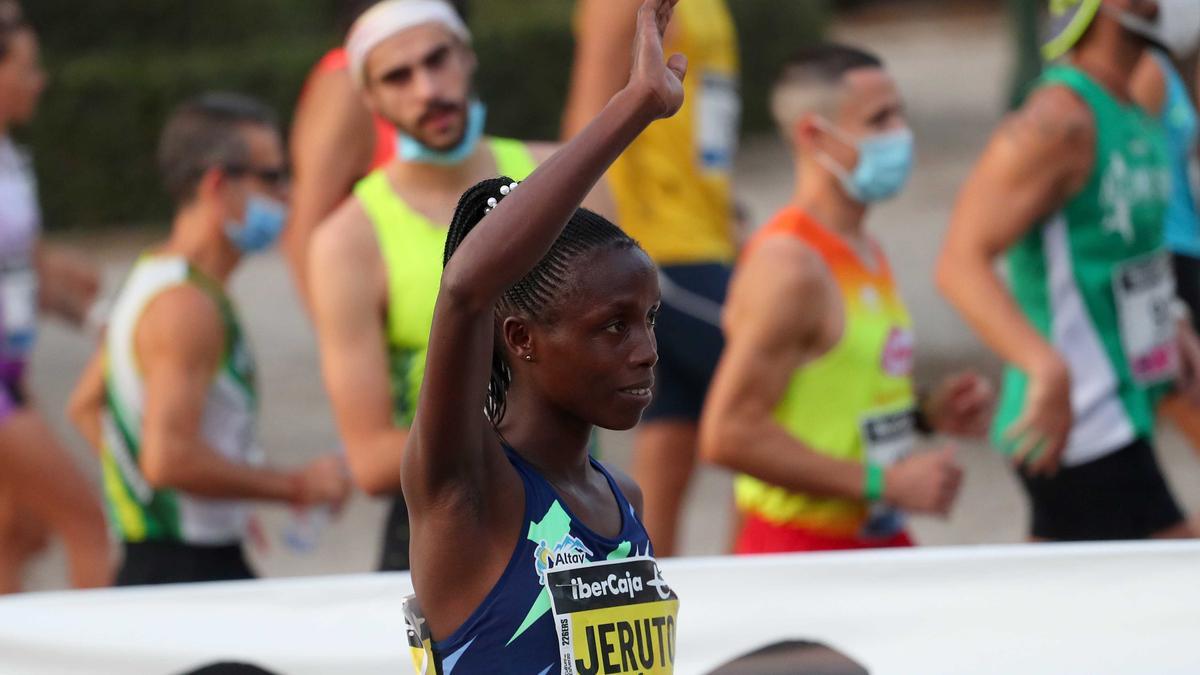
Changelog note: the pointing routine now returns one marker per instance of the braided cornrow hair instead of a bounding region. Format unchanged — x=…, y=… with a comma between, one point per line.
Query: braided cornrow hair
x=535, y=293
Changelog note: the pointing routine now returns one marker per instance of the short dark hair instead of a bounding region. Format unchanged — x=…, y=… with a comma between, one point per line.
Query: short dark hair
x=827, y=62
x=537, y=293
x=203, y=133
x=809, y=80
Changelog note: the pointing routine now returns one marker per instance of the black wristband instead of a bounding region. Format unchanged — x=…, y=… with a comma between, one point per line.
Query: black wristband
x=921, y=420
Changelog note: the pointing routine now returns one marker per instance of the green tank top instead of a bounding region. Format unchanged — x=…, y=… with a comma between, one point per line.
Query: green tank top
x=412, y=249
x=1095, y=281
x=227, y=424
x=855, y=402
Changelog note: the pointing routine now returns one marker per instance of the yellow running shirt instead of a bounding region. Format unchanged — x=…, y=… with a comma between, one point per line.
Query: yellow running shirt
x=412, y=249
x=673, y=185
x=855, y=402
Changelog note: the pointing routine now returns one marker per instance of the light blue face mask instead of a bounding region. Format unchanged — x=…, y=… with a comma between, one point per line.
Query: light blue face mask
x=412, y=150
x=260, y=227
x=885, y=162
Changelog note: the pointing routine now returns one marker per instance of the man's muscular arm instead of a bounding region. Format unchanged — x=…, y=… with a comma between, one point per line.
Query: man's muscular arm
x=768, y=337
x=1038, y=159
x=349, y=290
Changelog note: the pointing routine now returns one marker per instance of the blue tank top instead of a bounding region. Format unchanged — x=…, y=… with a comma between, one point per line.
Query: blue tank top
x=1182, y=125
x=569, y=601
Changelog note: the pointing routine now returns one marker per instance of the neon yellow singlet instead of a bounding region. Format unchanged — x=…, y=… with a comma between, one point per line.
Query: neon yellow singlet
x=673, y=185
x=854, y=401
x=412, y=249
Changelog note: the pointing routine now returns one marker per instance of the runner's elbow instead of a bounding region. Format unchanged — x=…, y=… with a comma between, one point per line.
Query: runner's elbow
x=375, y=484
x=373, y=478
x=461, y=289
x=159, y=470
x=721, y=435
x=947, y=274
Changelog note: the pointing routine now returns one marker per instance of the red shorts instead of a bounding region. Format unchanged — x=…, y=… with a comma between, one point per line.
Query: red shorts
x=760, y=536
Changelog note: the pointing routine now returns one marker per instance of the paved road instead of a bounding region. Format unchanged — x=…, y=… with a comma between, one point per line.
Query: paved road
x=952, y=71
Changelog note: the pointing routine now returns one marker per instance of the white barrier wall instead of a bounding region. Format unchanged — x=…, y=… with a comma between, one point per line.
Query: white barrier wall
x=1094, y=609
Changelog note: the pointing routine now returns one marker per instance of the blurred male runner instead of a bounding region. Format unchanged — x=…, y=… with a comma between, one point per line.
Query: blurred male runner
x=335, y=141
x=376, y=263
x=813, y=402
x=171, y=398
x=1072, y=193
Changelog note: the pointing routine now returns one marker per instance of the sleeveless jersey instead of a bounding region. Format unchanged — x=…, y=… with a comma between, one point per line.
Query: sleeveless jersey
x=673, y=184
x=1095, y=280
x=20, y=223
x=855, y=402
x=140, y=512
x=570, y=600
x=1182, y=124
x=385, y=134
x=412, y=248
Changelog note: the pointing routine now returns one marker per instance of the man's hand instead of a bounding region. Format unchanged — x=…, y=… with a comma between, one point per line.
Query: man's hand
x=961, y=405
x=1188, y=384
x=924, y=483
x=323, y=481
x=661, y=83
x=1040, y=435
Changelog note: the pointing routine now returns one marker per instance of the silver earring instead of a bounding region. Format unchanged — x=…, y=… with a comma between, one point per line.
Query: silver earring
x=529, y=357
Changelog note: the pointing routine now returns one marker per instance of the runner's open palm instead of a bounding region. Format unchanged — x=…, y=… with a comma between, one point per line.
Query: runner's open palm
x=663, y=80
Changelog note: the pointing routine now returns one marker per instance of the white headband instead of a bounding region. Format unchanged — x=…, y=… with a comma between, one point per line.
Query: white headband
x=389, y=17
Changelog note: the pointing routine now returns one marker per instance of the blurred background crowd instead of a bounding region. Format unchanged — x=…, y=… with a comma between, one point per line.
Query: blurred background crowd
x=117, y=69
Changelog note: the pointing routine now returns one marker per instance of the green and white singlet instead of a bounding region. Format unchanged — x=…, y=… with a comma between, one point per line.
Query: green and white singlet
x=228, y=425
x=1095, y=280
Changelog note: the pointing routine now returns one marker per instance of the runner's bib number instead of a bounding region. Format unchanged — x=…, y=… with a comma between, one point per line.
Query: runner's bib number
x=719, y=113
x=1144, y=290
x=420, y=643
x=18, y=307
x=887, y=438
x=614, y=617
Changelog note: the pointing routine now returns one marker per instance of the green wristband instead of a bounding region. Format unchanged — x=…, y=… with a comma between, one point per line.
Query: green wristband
x=873, y=489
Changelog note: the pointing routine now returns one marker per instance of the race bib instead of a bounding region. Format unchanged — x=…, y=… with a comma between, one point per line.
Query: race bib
x=614, y=617
x=718, y=111
x=18, y=307
x=420, y=643
x=887, y=438
x=1144, y=290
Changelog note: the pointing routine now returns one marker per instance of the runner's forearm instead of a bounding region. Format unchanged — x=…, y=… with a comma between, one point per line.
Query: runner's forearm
x=86, y=405
x=518, y=233
x=376, y=461
x=970, y=283
x=769, y=453
x=201, y=471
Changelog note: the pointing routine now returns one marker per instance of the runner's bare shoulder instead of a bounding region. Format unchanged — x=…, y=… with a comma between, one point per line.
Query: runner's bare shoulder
x=786, y=266
x=344, y=241
x=1054, y=131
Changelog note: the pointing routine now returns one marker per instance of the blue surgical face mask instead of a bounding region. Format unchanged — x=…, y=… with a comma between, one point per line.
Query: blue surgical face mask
x=260, y=228
x=885, y=162
x=412, y=150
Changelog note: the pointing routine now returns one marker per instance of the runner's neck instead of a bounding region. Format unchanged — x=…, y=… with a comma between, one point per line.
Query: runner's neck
x=435, y=177
x=1111, y=63
x=191, y=238
x=839, y=214
x=547, y=437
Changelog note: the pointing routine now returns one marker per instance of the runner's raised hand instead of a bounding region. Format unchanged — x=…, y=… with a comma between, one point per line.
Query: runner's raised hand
x=661, y=80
